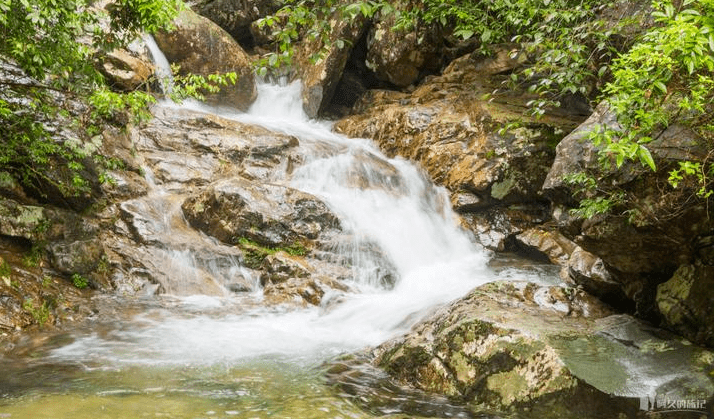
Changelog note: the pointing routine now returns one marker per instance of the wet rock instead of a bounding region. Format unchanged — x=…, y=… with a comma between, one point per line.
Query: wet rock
x=211, y=147
x=588, y=271
x=553, y=244
x=294, y=291
x=281, y=266
x=78, y=257
x=31, y=294
x=686, y=304
x=548, y=351
x=201, y=47
x=456, y=135
x=270, y=215
x=25, y=221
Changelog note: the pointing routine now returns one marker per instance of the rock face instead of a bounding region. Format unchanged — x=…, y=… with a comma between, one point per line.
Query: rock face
x=521, y=347
x=201, y=47
x=403, y=57
x=646, y=249
x=447, y=127
x=236, y=16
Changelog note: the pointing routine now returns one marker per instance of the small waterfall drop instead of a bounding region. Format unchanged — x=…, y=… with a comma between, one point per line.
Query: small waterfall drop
x=163, y=68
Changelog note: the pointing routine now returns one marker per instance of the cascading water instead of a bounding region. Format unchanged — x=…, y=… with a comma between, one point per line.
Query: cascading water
x=221, y=351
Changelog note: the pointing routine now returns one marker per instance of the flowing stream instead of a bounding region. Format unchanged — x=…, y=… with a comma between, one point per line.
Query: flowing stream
x=220, y=354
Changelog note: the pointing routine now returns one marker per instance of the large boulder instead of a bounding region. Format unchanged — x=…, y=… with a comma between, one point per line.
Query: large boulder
x=201, y=47
x=403, y=57
x=686, y=302
x=321, y=70
x=270, y=215
x=544, y=351
x=236, y=16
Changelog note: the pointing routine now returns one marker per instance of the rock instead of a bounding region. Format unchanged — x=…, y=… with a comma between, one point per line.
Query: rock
x=685, y=301
x=642, y=243
x=403, y=57
x=575, y=153
x=201, y=47
x=25, y=221
x=548, y=351
x=281, y=266
x=78, y=257
x=270, y=215
x=320, y=78
x=448, y=128
x=551, y=243
x=588, y=271
x=125, y=71
x=184, y=148
x=236, y=16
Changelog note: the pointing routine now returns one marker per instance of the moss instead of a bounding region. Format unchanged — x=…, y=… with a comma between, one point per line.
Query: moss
x=5, y=269
x=404, y=363
x=254, y=253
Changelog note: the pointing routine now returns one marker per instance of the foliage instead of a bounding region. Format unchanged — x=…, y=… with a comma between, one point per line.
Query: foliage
x=196, y=85
x=666, y=76
x=54, y=42
x=40, y=313
x=309, y=20
x=5, y=269
x=79, y=281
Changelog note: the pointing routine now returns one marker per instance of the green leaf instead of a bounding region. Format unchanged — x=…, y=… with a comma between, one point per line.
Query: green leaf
x=645, y=157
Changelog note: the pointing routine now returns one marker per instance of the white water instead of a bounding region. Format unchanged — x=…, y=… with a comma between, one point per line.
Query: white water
x=395, y=208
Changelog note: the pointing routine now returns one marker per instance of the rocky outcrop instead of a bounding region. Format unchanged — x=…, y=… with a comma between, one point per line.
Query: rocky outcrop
x=492, y=158
x=644, y=247
x=548, y=351
x=201, y=47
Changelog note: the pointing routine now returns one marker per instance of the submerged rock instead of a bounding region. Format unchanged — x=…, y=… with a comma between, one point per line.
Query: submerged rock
x=549, y=351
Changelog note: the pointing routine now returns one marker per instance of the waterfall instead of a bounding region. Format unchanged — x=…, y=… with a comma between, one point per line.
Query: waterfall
x=163, y=68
